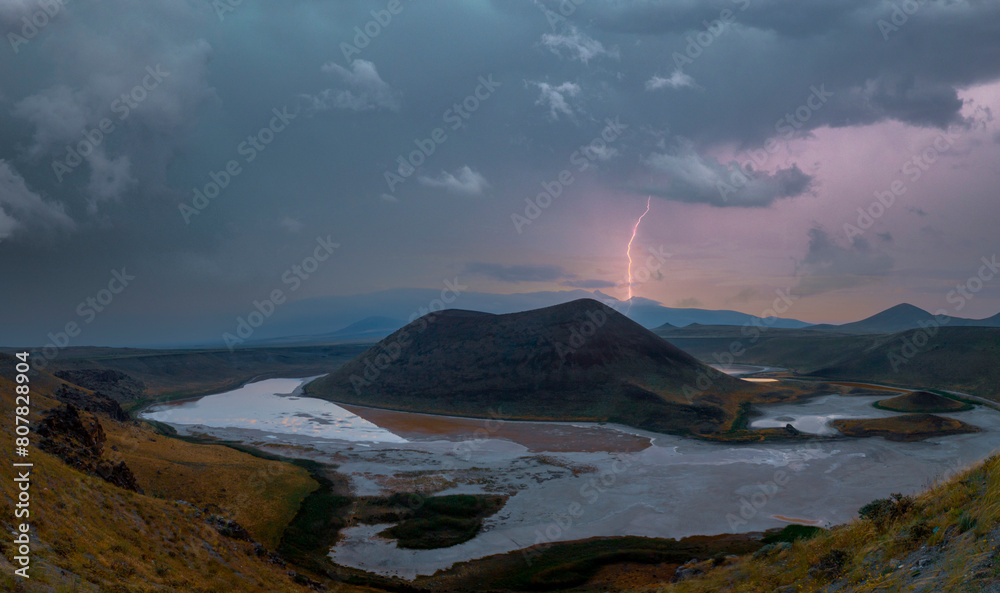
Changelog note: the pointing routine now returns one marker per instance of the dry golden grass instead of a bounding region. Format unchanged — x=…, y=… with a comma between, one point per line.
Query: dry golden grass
x=259, y=494
x=88, y=535
x=962, y=516
x=907, y=427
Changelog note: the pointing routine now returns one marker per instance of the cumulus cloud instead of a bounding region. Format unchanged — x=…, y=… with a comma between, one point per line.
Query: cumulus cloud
x=828, y=266
x=465, y=182
x=22, y=208
x=577, y=45
x=677, y=80
x=58, y=115
x=517, y=273
x=366, y=90
x=556, y=98
x=692, y=178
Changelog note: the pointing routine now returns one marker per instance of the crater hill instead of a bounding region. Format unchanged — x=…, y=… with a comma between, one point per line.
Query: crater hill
x=575, y=361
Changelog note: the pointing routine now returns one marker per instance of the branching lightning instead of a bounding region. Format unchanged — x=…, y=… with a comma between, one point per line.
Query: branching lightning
x=628, y=252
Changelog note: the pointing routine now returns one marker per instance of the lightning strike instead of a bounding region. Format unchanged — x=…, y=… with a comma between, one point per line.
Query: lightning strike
x=628, y=252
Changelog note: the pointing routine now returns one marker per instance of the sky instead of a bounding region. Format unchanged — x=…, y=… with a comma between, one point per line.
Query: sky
x=176, y=161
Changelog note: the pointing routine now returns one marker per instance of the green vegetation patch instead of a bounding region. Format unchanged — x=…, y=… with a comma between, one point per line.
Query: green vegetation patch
x=307, y=539
x=560, y=566
x=428, y=523
x=793, y=533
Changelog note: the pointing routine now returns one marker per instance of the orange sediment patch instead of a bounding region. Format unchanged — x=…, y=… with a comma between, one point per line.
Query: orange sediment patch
x=536, y=436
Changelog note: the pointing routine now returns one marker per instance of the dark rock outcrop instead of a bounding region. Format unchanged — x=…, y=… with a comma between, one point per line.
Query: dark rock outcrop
x=229, y=528
x=96, y=402
x=117, y=385
x=78, y=439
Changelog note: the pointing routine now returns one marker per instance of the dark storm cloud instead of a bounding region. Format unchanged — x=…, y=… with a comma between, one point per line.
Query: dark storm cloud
x=693, y=178
x=517, y=273
x=761, y=63
x=219, y=80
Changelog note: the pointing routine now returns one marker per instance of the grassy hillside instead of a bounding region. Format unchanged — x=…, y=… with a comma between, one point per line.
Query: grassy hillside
x=90, y=535
x=947, y=539
x=259, y=494
x=965, y=359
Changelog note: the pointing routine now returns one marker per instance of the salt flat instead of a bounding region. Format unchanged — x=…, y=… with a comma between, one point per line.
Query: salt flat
x=669, y=486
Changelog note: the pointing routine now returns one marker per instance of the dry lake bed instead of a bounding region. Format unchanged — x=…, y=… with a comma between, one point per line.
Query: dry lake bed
x=569, y=481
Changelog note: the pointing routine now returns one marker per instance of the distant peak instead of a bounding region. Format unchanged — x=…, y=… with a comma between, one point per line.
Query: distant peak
x=905, y=307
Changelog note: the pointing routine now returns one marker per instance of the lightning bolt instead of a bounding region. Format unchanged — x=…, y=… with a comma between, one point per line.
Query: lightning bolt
x=628, y=252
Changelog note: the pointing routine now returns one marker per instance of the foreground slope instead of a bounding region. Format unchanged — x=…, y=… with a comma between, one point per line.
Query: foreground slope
x=577, y=361
x=946, y=539
x=173, y=533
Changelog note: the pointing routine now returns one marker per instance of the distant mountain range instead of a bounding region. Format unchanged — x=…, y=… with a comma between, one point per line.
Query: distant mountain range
x=905, y=317
x=370, y=317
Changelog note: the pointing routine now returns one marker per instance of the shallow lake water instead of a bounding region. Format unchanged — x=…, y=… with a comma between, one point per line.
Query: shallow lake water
x=568, y=481
x=272, y=405
x=814, y=416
